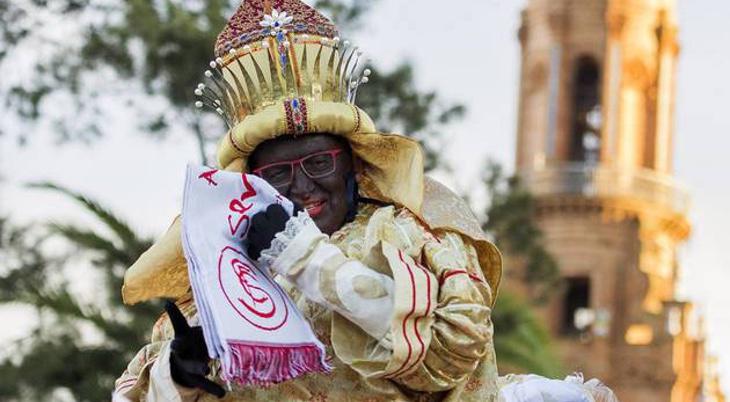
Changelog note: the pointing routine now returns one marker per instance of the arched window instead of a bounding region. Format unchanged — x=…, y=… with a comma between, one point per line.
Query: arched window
x=585, y=140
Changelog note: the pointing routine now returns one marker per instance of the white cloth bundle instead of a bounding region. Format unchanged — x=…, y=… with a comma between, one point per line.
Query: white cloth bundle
x=534, y=388
x=248, y=320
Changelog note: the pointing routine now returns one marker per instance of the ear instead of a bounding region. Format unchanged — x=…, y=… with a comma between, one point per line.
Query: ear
x=357, y=164
x=353, y=196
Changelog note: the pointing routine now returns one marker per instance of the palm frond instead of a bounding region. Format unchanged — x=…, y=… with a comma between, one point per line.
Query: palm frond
x=66, y=306
x=89, y=240
x=58, y=361
x=120, y=228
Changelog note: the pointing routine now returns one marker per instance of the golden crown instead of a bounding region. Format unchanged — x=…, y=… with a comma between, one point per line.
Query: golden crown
x=270, y=53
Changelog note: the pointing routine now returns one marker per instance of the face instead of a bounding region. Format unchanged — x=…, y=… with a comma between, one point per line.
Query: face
x=324, y=198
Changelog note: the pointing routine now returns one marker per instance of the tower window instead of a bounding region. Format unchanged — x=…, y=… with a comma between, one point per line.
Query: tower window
x=576, y=305
x=585, y=141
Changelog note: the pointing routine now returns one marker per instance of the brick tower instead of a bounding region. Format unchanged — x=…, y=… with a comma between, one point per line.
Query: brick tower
x=595, y=146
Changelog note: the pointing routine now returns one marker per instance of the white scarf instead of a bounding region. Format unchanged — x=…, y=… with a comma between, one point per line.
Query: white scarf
x=248, y=320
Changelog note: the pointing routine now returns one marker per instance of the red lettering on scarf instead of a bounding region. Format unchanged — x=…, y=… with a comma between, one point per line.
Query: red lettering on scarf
x=239, y=208
x=208, y=176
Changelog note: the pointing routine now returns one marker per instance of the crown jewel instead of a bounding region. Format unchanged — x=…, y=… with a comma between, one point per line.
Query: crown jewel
x=268, y=53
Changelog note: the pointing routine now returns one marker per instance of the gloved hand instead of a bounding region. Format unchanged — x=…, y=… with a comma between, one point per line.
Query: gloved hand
x=189, y=355
x=264, y=226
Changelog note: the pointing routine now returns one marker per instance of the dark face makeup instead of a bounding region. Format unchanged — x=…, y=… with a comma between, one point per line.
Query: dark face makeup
x=324, y=198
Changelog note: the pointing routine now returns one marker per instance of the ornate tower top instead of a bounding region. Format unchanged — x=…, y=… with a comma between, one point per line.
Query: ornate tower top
x=597, y=93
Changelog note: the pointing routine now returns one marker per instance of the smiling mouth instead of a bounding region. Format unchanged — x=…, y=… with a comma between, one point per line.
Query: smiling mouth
x=315, y=208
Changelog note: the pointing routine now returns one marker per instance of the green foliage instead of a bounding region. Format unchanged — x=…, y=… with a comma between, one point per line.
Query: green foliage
x=521, y=341
x=129, y=246
x=346, y=14
x=391, y=99
x=56, y=356
x=511, y=222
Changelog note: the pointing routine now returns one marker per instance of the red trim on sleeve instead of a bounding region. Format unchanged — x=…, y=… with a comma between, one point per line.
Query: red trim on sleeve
x=410, y=313
x=428, y=311
x=448, y=274
x=403, y=368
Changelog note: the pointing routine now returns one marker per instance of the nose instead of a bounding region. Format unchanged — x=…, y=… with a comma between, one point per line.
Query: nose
x=302, y=186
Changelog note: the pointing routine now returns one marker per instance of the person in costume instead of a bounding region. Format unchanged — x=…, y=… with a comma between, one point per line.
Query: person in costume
x=390, y=267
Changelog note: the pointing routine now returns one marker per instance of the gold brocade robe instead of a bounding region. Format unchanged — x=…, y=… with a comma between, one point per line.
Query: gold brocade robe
x=440, y=342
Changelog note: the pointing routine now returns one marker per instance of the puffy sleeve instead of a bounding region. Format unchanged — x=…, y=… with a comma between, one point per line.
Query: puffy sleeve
x=435, y=329
x=460, y=326
x=147, y=376
x=440, y=329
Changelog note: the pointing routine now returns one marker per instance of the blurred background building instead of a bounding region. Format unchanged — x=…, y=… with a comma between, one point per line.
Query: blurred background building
x=595, y=146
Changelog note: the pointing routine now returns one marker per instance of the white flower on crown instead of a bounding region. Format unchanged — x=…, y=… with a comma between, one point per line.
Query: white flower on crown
x=276, y=21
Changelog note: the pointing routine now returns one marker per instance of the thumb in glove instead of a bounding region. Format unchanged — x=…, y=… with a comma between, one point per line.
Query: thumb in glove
x=189, y=355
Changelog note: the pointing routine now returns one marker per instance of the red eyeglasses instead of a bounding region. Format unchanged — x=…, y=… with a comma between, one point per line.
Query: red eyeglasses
x=315, y=166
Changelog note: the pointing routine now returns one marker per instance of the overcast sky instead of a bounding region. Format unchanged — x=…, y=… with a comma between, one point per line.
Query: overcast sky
x=468, y=51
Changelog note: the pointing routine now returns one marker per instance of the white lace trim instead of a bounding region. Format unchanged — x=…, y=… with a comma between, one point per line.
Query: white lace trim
x=282, y=239
x=598, y=390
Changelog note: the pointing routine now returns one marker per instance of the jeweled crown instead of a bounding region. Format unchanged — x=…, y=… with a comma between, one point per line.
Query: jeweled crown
x=272, y=50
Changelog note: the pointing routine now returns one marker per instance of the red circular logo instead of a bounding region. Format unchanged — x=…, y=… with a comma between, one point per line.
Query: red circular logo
x=253, y=295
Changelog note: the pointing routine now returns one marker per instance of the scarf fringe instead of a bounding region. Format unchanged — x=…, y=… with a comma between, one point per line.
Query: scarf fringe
x=265, y=365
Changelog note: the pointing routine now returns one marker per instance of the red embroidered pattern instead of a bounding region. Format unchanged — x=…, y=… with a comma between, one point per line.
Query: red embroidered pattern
x=233, y=142
x=243, y=27
x=473, y=385
x=296, y=116
x=403, y=369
